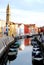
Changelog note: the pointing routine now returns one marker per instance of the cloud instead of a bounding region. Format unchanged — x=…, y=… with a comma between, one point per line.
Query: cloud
x=24, y=16
x=3, y=14
x=27, y=17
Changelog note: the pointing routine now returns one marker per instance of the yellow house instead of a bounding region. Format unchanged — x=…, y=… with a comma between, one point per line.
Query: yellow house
x=12, y=29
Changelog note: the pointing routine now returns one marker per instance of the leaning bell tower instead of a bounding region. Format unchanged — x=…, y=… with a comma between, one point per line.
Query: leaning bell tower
x=7, y=14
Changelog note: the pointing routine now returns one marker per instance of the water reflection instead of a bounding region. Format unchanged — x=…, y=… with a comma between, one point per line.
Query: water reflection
x=3, y=61
x=12, y=54
x=23, y=57
x=18, y=57
x=11, y=58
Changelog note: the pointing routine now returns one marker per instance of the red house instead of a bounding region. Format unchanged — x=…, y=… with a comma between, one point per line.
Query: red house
x=26, y=31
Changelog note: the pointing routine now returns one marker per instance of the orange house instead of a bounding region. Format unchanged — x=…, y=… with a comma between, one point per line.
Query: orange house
x=26, y=31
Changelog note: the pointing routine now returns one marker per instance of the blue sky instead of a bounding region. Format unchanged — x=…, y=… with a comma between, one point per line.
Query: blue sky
x=35, y=5
x=24, y=11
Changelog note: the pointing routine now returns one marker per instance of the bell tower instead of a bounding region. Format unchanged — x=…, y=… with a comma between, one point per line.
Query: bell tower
x=7, y=14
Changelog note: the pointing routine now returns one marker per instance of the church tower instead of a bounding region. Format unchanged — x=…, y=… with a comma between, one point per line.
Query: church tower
x=7, y=14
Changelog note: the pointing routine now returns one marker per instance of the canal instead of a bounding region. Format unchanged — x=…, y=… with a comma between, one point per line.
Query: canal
x=23, y=57
x=19, y=54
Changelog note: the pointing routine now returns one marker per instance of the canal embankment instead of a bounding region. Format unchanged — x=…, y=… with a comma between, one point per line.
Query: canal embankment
x=5, y=43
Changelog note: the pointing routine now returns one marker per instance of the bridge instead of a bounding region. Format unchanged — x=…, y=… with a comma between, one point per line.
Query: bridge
x=6, y=41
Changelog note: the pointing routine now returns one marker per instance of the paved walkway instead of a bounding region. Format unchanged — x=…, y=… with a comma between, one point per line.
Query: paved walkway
x=4, y=42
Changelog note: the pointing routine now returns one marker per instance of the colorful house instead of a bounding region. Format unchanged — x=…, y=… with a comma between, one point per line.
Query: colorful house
x=13, y=29
x=33, y=29
x=26, y=31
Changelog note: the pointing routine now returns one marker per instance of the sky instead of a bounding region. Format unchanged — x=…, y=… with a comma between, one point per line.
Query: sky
x=24, y=11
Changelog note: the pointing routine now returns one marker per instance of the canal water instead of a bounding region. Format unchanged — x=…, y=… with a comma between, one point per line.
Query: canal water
x=23, y=57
